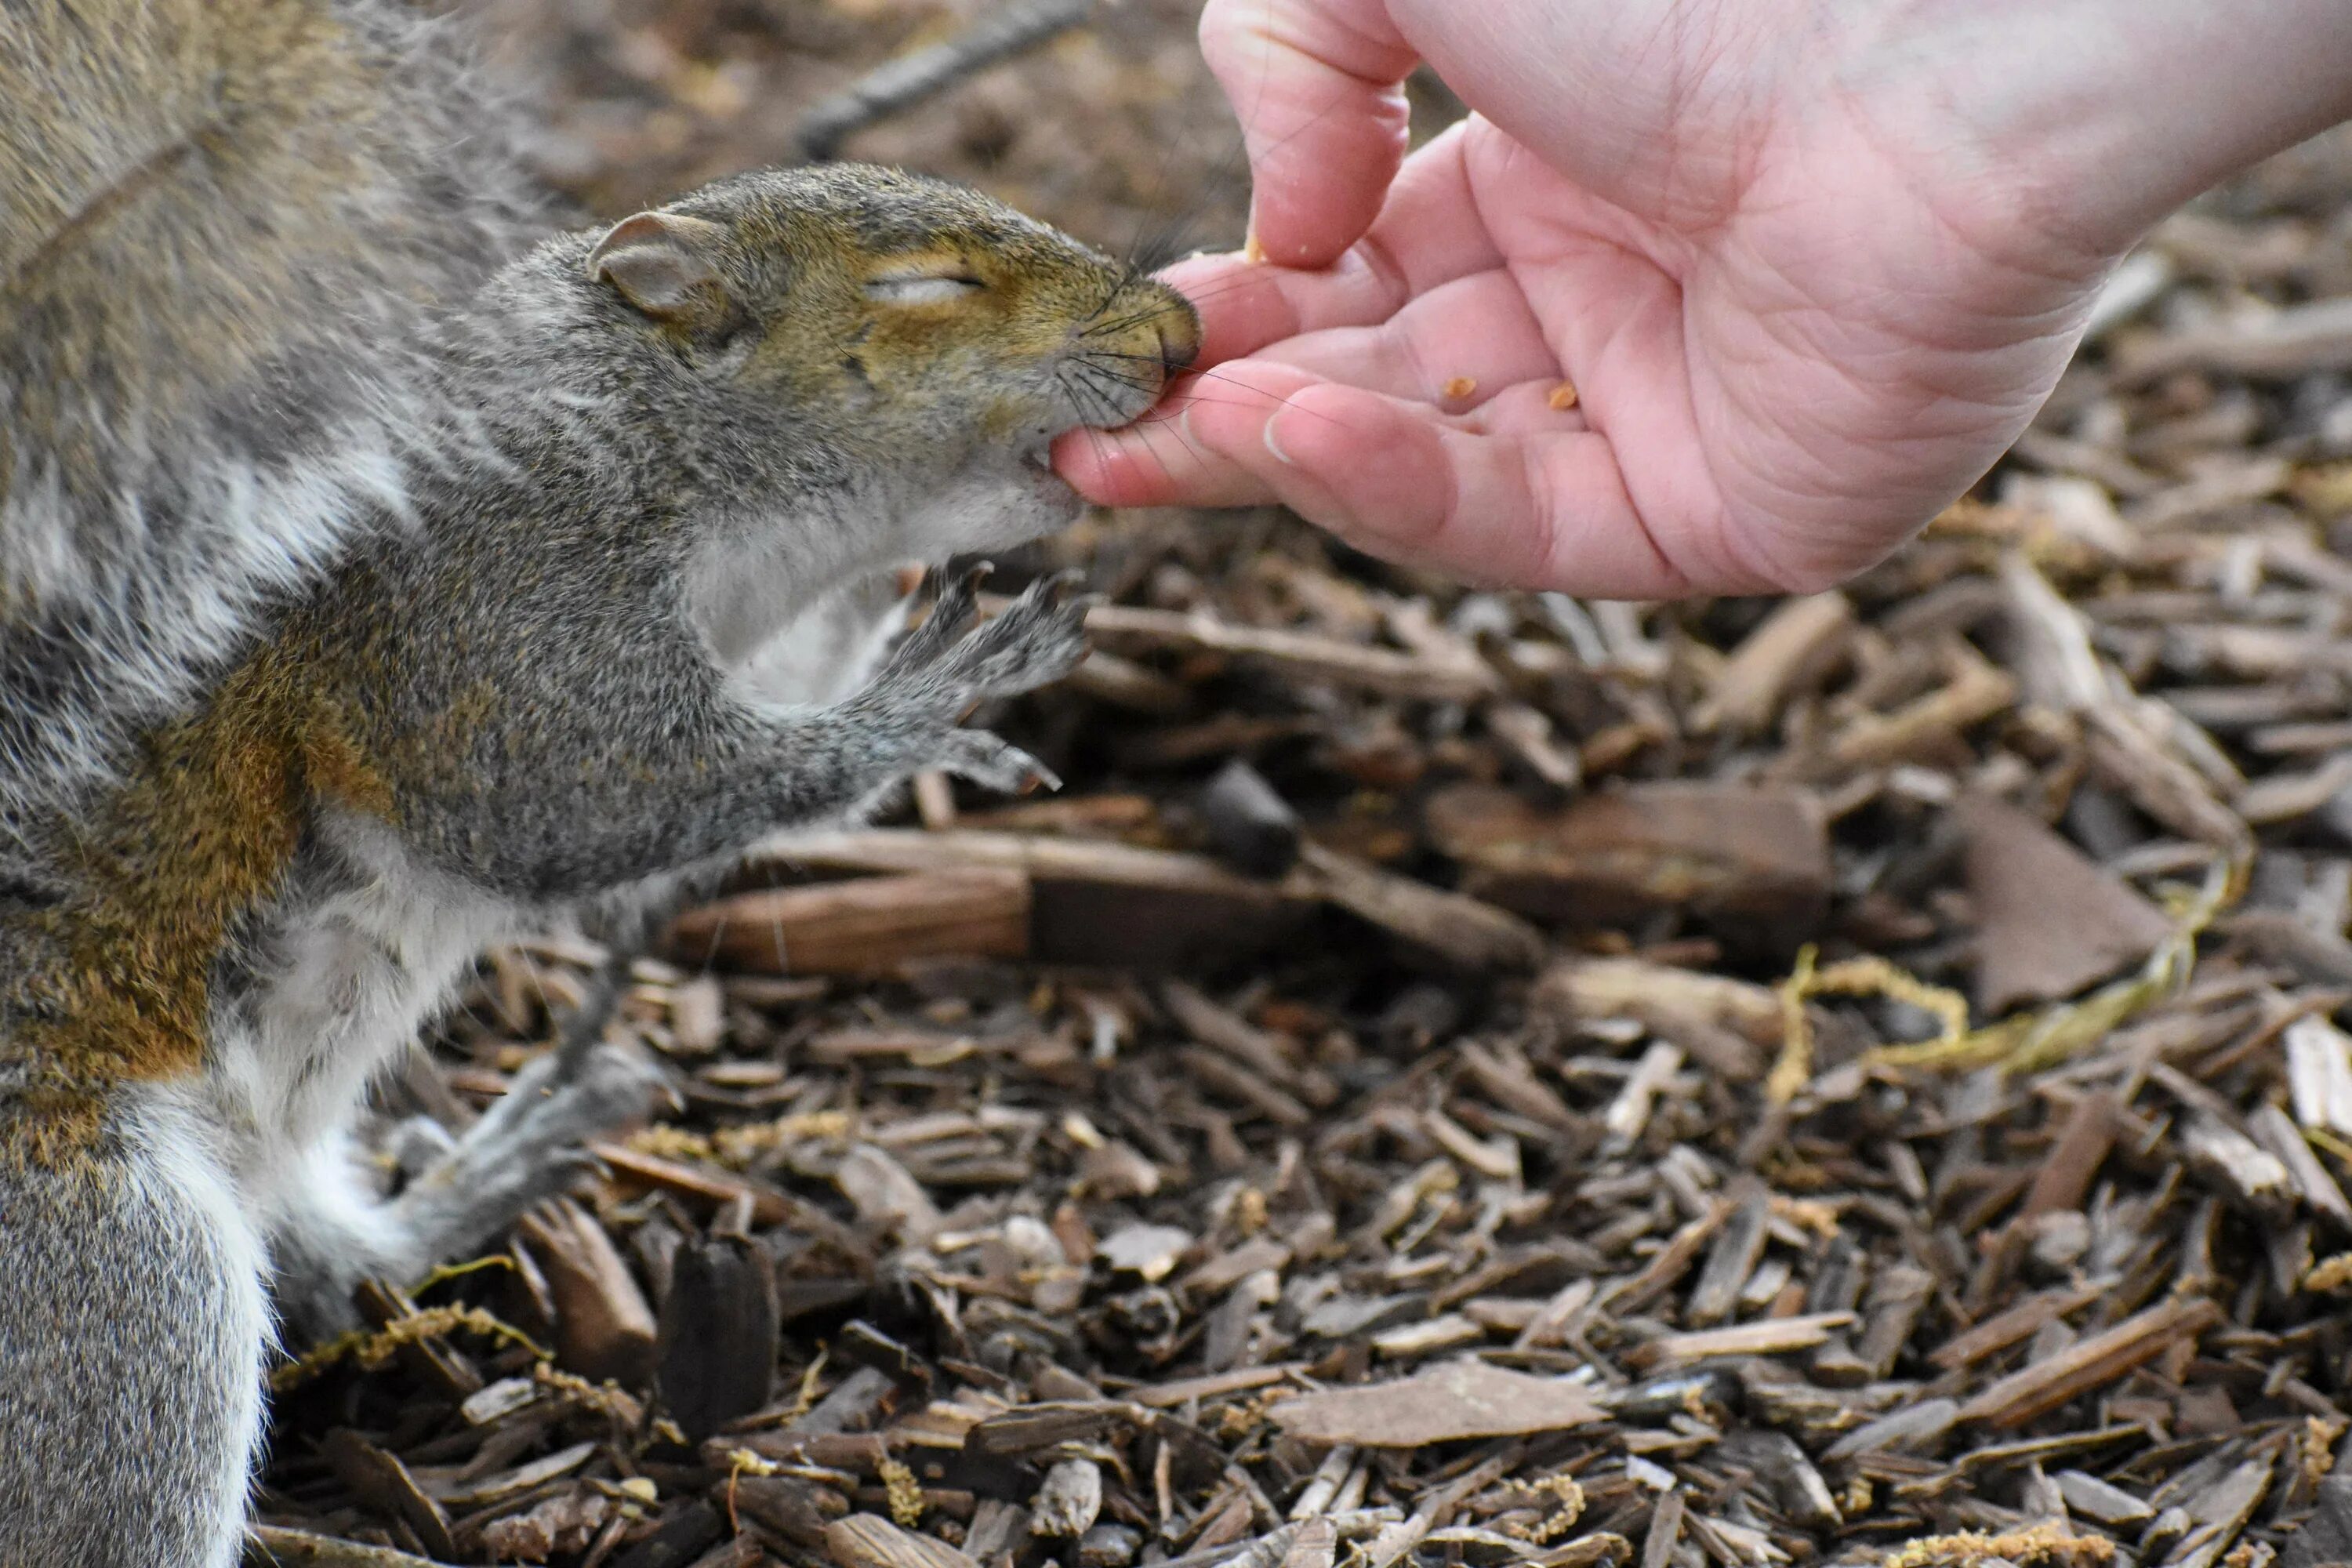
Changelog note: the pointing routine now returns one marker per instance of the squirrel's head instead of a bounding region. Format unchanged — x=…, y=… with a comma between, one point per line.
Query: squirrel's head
x=895, y=329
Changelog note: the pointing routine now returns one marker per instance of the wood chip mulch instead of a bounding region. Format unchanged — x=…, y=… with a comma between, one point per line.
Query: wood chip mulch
x=1475, y=1078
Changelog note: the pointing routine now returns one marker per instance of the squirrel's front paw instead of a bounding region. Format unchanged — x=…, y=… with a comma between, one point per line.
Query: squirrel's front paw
x=943, y=670
x=977, y=755
x=1040, y=637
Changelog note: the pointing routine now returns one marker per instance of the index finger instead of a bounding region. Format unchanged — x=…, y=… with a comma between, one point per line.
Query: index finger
x=1317, y=85
x=1429, y=233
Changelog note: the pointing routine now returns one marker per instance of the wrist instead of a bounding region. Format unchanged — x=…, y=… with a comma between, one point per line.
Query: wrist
x=2104, y=115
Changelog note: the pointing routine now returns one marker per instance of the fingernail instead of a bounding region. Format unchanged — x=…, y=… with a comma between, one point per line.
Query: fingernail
x=1274, y=445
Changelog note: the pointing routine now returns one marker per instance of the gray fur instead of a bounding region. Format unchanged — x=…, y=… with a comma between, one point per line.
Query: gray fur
x=575, y=576
x=130, y=1339
x=211, y=368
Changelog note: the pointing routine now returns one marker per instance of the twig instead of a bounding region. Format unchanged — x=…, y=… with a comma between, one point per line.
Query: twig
x=900, y=84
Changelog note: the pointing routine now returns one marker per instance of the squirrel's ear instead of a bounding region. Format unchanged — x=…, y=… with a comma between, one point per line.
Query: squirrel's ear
x=660, y=263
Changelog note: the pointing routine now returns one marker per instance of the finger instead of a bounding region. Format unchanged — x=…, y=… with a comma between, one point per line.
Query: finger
x=1540, y=508
x=1430, y=233
x=1317, y=85
x=1160, y=460
x=1455, y=347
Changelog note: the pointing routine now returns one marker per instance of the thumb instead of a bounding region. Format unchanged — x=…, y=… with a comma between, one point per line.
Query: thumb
x=1317, y=85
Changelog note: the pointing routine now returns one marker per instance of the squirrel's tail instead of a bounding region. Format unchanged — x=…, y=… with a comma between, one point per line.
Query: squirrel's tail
x=222, y=226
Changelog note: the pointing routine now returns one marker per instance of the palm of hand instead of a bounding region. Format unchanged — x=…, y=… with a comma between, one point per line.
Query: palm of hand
x=1790, y=342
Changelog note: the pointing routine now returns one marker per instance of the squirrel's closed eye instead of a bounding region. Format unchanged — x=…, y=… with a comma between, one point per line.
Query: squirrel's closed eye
x=920, y=287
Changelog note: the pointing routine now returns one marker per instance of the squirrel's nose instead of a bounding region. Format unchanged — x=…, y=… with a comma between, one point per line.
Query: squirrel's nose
x=1179, y=341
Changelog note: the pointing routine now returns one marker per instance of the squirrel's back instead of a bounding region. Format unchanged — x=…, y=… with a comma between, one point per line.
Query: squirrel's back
x=222, y=225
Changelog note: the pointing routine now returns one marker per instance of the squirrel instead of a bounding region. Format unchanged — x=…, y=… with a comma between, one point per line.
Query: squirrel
x=384, y=574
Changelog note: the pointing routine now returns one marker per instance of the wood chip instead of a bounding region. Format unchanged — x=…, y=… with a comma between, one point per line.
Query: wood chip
x=2091, y=1362
x=869, y=926
x=1446, y=1404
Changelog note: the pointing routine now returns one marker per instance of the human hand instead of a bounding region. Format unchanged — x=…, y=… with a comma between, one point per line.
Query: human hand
x=1809, y=268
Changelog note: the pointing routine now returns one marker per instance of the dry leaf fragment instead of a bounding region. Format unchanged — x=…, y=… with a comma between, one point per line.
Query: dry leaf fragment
x=2049, y=921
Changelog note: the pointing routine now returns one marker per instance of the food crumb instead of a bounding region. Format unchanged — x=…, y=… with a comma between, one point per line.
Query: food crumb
x=1563, y=397
x=1252, y=251
x=1460, y=386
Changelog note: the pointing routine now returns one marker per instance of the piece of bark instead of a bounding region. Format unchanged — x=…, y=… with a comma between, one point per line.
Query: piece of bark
x=2282, y=344
x=2021, y=1321
x=1755, y=860
x=1029, y=1427
x=1316, y=1544
x=1241, y=1380
x=869, y=1541
x=1090, y=902
x=2055, y=661
x=1301, y=655
x=1532, y=739
x=434, y=1357
x=274, y=1546
x=2319, y=1074
x=1151, y=1251
x=1503, y=1076
x=568, y=1522
x=718, y=1333
x=2102, y=1502
x=2242, y=1169
x=1919, y=1427
x=1442, y=1404
x=2276, y=1131
x=2090, y=1362
x=1791, y=647
x=603, y=1329
x=1733, y=1257
x=380, y=1481
x=1975, y=692
x=1768, y=1336
x=1898, y=1294
x=1725, y=1023
x=631, y=1167
x=2325, y=1538
x=2084, y=1142
x=868, y=926
x=2160, y=783
x=886, y=1194
x=1671, y=1261
x=797, y=1510
x=476, y=1493
x=1666, y=1530
x=1796, y=1484
x=2049, y=921
x=1253, y=828
x=1259, y=1051
x=1628, y=1113
x=1068, y=1501
x=2322, y=957
x=1466, y=932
